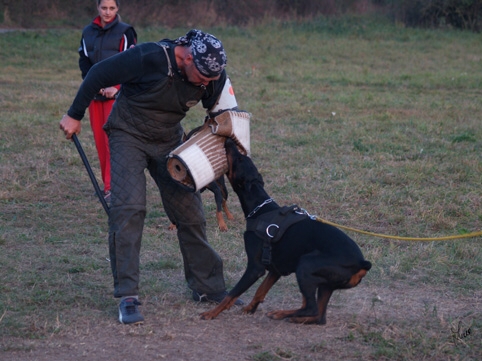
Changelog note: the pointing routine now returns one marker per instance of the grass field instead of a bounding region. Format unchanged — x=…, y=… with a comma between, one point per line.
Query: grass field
x=364, y=124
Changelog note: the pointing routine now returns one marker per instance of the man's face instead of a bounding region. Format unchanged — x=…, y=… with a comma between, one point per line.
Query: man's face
x=195, y=77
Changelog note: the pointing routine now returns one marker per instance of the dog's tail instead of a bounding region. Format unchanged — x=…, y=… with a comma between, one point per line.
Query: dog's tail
x=366, y=265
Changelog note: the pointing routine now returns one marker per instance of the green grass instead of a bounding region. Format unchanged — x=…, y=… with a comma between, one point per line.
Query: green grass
x=364, y=124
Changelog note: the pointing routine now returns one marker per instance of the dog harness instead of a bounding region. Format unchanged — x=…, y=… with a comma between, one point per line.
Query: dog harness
x=271, y=226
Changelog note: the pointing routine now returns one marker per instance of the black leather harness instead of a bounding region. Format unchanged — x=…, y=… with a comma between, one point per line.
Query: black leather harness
x=271, y=226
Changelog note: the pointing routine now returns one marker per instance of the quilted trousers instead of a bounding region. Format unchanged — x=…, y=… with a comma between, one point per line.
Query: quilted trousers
x=130, y=157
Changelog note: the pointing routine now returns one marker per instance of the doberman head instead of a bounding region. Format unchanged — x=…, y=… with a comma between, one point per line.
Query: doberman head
x=242, y=172
x=244, y=177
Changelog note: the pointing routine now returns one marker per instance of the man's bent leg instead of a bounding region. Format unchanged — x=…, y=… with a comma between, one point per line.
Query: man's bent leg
x=203, y=267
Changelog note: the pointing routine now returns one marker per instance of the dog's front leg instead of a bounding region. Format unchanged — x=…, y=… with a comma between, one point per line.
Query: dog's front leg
x=248, y=279
x=262, y=291
x=254, y=271
x=225, y=304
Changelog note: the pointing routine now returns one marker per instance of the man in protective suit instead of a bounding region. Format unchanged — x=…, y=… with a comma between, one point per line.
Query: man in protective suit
x=160, y=81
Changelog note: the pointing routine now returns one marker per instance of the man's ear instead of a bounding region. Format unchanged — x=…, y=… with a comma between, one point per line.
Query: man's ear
x=188, y=59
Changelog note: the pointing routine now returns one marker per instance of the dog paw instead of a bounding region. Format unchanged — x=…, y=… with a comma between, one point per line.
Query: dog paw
x=277, y=315
x=206, y=316
x=307, y=320
x=250, y=309
x=223, y=227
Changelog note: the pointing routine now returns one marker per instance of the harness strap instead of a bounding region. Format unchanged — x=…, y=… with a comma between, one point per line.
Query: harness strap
x=271, y=226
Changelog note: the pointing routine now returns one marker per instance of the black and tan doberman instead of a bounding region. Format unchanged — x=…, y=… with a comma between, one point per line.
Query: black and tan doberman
x=284, y=240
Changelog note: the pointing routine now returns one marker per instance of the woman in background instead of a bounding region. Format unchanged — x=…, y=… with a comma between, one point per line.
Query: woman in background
x=106, y=36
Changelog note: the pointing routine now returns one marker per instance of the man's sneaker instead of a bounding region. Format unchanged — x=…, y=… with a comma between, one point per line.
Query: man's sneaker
x=213, y=297
x=129, y=312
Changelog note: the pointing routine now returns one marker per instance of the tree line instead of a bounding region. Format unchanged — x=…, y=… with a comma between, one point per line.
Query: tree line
x=459, y=14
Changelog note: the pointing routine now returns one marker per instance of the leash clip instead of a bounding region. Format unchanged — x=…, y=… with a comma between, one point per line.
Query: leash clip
x=305, y=212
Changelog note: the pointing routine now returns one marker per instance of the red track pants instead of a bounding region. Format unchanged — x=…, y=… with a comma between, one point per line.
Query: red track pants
x=98, y=113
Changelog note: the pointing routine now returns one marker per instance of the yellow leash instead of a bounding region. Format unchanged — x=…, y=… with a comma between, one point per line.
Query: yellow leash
x=424, y=239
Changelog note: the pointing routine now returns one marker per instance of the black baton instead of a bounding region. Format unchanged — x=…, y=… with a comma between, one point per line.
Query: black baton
x=91, y=174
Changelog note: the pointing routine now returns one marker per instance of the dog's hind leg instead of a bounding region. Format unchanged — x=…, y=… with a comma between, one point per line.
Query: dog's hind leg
x=297, y=316
x=324, y=295
x=329, y=278
x=308, y=283
x=303, y=315
x=282, y=314
x=311, y=277
x=262, y=291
